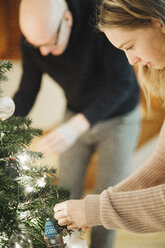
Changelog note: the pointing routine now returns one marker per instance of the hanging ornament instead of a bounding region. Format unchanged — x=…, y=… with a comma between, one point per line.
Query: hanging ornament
x=7, y=107
x=52, y=237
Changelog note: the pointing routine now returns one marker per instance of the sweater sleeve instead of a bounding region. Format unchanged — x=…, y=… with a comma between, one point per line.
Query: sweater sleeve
x=116, y=89
x=141, y=211
x=151, y=173
x=30, y=82
x=136, y=204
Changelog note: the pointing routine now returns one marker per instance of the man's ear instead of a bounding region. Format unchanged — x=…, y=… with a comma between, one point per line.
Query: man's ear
x=68, y=18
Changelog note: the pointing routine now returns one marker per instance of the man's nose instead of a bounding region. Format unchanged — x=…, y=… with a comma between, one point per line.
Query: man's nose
x=45, y=50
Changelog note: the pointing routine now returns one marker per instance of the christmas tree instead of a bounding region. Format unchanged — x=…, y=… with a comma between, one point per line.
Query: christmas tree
x=27, y=193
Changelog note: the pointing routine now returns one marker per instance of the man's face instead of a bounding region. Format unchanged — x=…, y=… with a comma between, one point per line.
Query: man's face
x=49, y=39
x=57, y=44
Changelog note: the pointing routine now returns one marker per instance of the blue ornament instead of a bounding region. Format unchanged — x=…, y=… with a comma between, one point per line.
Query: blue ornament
x=50, y=231
x=53, y=238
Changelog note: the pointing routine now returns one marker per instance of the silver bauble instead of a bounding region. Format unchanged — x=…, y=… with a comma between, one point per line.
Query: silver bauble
x=7, y=107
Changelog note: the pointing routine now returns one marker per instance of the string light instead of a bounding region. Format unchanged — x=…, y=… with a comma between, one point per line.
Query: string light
x=24, y=214
x=17, y=245
x=24, y=159
x=29, y=189
x=41, y=182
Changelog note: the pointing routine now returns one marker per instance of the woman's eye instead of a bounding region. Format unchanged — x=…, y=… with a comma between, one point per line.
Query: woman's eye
x=129, y=48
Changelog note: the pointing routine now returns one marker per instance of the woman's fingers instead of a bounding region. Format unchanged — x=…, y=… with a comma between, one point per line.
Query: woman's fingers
x=72, y=227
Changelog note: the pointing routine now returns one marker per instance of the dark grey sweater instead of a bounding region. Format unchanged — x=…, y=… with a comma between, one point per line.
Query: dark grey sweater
x=95, y=76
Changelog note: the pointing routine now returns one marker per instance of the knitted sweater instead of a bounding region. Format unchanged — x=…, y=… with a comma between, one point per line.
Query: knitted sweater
x=136, y=204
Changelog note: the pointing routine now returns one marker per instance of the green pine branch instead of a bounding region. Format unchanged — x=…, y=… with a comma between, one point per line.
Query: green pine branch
x=5, y=66
x=18, y=206
x=27, y=195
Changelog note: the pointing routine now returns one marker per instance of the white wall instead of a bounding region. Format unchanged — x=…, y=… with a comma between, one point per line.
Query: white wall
x=50, y=103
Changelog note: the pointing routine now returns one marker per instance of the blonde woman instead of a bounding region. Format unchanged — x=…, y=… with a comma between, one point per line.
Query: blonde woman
x=138, y=203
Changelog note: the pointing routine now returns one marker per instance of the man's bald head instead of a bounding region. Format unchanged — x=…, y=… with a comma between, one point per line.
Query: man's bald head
x=40, y=16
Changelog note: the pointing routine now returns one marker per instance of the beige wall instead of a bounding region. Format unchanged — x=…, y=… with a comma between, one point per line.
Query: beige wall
x=50, y=103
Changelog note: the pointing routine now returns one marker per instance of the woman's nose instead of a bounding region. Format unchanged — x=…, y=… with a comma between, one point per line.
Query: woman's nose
x=133, y=59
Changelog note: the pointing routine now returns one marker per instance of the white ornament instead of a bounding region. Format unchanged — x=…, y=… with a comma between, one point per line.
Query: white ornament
x=74, y=240
x=7, y=107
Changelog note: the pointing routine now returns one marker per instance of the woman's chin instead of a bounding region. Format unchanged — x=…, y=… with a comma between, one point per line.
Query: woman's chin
x=159, y=67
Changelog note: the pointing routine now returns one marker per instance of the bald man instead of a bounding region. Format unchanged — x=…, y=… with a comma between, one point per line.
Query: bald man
x=36, y=17
x=101, y=91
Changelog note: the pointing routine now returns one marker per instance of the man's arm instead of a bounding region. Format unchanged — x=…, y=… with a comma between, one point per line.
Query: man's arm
x=62, y=137
x=112, y=91
x=116, y=88
x=30, y=82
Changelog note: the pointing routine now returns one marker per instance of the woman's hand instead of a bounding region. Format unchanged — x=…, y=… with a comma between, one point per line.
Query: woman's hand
x=71, y=213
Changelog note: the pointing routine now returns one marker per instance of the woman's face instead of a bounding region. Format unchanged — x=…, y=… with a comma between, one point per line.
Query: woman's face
x=144, y=45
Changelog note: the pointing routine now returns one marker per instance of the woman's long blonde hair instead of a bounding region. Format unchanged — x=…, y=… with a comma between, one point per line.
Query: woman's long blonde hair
x=152, y=82
x=132, y=14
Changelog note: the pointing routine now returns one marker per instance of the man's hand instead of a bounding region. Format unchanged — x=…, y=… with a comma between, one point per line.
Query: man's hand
x=71, y=213
x=65, y=135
